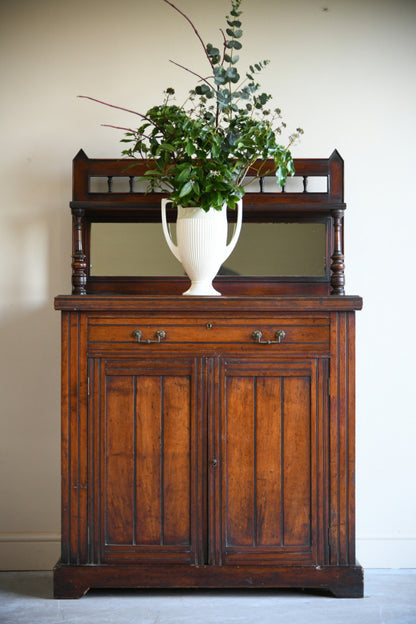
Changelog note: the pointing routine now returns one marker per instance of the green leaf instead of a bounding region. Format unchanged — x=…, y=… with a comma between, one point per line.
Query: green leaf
x=186, y=189
x=215, y=151
x=189, y=148
x=211, y=50
x=202, y=89
x=231, y=59
x=220, y=77
x=224, y=96
x=184, y=175
x=151, y=172
x=232, y=74
x=234, y=44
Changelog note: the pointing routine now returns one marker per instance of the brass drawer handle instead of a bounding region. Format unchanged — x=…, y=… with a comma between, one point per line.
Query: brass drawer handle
x=258, y=334
x=159, y=335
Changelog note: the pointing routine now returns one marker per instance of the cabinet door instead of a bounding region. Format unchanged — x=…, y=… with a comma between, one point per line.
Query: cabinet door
x=146, y=493
x=273, y=420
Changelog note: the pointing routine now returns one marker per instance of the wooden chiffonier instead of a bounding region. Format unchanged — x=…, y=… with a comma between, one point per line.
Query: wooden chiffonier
x=208, y=441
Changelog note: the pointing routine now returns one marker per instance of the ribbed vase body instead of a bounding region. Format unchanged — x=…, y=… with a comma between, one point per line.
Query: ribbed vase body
x=201, y=244
x=202, y=241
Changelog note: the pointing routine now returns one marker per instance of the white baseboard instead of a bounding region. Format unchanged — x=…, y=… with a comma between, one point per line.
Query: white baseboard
x=387, y=552
x=40, y=551
x=34, y=550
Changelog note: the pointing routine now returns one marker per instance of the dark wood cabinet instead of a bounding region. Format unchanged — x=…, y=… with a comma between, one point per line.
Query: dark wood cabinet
x=208, y=442
x=208, y=458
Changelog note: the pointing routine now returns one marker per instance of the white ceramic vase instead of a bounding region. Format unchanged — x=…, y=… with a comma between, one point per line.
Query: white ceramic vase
x=201, y=244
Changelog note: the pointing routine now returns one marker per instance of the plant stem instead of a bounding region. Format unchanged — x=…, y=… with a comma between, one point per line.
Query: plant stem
x=126, y=110
x=194, y=29
x=225, y=46
x=122, y=128
x=191, y=72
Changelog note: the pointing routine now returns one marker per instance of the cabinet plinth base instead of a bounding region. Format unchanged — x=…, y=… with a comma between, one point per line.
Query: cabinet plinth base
x=72, y=581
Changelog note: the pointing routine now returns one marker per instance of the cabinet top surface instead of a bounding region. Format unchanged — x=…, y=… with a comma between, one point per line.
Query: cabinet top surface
x=236, y=305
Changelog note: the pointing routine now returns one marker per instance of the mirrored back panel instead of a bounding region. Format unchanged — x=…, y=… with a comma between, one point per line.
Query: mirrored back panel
x=263, y=250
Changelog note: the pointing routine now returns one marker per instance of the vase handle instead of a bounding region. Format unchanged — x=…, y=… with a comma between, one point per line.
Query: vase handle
x=237, y=229
x=174, y=248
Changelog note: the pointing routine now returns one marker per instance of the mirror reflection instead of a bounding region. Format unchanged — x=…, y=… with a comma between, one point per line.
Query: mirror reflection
x=263, y=249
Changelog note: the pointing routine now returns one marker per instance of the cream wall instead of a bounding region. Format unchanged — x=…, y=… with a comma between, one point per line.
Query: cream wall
x=346, y=74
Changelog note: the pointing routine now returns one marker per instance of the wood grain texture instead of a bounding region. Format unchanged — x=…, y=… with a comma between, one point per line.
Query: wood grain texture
x=296, y=461
x=148, y=468
x=193, y=305
x=143, y=457
x=213, y=461
x=239, y=462
x=268, y=451
x=342, y=582
x=176, y=461
x=269, y=462
x=119, y=460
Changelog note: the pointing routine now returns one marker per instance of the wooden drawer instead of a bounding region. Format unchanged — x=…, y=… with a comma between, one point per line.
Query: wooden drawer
x=286, y=331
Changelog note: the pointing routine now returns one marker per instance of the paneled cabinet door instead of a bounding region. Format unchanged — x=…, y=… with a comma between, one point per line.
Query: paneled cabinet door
x=146, y=497
x=269, y=446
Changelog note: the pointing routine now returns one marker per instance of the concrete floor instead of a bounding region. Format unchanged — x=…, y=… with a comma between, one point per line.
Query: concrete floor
x=26, y=598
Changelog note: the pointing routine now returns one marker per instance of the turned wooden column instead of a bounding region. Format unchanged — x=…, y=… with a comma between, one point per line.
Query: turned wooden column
x=337, y=258
x=79, y=258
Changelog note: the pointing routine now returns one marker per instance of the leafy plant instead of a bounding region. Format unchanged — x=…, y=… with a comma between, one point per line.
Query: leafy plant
x=202, y=151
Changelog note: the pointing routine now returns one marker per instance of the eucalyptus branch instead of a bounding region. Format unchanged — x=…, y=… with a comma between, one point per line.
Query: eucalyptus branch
x=194, y=29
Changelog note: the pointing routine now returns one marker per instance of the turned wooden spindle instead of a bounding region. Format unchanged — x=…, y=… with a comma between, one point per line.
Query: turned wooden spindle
x=337, y=258
x=79, y=259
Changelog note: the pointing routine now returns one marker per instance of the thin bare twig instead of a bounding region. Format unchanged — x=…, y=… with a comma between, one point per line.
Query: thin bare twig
x=127, y=110
x=194, y=29
x=128, y=130
x=225, y=46
x=119, y=128
x=191, y=72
